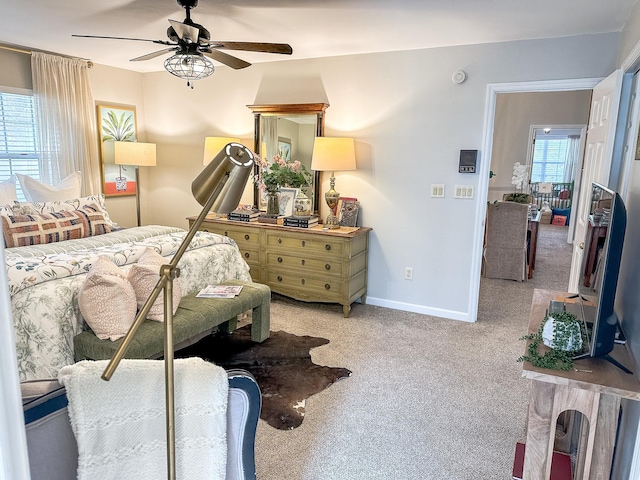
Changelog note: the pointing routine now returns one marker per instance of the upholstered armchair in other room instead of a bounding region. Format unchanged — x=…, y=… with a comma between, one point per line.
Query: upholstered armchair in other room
x=53, y=451
x=505, y=252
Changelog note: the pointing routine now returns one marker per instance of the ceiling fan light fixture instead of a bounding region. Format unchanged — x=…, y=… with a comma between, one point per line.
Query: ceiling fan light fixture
x=189, y=66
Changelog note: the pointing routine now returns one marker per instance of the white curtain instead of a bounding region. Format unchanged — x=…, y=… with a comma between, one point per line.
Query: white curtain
x=571, y=161
x=269, y=137
x=66, y=120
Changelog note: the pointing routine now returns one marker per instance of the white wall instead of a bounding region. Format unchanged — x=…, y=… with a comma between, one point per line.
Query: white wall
x=409, y=121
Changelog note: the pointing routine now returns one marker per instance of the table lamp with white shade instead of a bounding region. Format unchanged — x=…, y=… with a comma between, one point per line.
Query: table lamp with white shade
x=332, y=154
x=213, y=145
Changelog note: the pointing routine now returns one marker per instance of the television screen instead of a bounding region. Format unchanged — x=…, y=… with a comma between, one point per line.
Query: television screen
x=606, y=226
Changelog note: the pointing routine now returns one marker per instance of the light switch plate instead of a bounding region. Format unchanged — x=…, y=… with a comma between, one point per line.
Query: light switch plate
x=463, y=191
x=437, y=190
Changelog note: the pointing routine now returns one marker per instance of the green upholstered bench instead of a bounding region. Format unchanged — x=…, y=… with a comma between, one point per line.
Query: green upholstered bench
x=194, y=319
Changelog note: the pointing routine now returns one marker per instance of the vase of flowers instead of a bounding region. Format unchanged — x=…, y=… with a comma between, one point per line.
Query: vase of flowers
x=273, y=206
x=280, y=173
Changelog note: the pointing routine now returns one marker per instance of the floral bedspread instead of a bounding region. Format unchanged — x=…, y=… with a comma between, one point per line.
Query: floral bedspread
x=44, y=282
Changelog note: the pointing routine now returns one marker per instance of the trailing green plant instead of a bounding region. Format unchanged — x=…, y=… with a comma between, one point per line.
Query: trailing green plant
x=517, y=197
x=554, y=358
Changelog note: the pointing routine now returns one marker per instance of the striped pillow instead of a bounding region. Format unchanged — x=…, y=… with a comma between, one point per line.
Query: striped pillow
x=21, y=230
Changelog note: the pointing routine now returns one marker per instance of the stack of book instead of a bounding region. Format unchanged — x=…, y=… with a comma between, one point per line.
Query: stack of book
x=242, y=215
x=272, y=219
x=300, y=222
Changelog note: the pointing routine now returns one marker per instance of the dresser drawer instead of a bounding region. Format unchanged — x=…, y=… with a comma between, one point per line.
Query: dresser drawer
x=250, y=255
x=242, y=236
x=318, y=266
x=310, y=244
x=312, y=287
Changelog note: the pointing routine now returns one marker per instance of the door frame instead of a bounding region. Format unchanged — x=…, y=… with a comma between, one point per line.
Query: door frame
x=493, y=89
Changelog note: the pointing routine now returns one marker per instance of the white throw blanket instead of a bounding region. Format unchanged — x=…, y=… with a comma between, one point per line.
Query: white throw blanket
x=120, y=424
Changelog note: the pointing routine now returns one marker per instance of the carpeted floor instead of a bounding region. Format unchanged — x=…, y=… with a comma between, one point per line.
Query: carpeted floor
x=429, y=398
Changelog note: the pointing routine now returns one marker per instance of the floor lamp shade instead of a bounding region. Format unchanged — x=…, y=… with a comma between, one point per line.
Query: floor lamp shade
x=226, y=174
x=130, y=153
x=213, y=145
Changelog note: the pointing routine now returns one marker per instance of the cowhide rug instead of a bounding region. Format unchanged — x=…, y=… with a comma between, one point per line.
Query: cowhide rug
x=281, y=365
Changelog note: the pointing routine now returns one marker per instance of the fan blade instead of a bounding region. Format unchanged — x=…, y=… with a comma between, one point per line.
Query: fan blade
x=161, y=42
x=185, y=32
x=228, y=60
x=283, y=48
x=149, y=56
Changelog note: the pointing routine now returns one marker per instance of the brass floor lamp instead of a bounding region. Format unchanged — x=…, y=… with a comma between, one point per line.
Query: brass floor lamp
x=218, y=187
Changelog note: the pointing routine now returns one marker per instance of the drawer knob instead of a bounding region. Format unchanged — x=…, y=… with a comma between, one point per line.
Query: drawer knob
x=205, y=230
x=327, y=286
x=279, y=259
x=304, y=243
x=279, y=240
x=302, y=262
x=246, y=255
x=327, y=247
x=302, y=281
x=226, y=234
x=246, y=237
x=279, y=278
x=327, y=267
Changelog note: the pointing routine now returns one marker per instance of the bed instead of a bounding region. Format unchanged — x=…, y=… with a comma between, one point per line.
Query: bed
x=44, y=281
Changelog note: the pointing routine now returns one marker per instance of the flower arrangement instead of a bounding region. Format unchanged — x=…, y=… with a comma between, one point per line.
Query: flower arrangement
x=520, y=176
x=281, y=173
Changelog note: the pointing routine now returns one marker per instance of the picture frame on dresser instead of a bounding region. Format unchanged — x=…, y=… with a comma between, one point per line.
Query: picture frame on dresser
x=116, y=123
x=287, y=197
x=348, y=212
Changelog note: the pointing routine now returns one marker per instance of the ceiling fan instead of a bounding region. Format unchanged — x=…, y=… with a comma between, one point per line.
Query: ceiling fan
x=191, y=44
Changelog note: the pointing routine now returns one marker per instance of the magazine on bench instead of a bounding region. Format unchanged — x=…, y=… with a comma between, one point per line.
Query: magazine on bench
x=219, y=291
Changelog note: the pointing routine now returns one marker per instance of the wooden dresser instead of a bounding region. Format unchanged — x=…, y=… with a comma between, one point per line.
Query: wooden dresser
x=311, y=265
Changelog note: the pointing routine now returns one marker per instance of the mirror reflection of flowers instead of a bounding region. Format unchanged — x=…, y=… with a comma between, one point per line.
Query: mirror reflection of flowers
x=281, y=173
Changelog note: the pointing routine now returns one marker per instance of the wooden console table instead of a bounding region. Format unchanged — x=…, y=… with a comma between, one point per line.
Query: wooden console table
x=311, y=265
x=596, y=395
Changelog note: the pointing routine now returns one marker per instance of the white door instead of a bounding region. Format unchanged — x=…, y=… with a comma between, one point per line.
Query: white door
x=597, y=159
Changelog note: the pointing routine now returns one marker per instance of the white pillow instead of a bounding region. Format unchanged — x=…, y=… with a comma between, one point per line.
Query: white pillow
x=144, y=276
x=36, y=191
x=8, y=191
x=107, y=300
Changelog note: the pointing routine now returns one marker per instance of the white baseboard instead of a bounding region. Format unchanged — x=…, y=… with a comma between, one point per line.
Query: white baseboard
x=410, y=307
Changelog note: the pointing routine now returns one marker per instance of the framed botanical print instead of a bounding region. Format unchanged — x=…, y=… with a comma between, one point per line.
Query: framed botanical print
x=284, y=148
x=117, y=123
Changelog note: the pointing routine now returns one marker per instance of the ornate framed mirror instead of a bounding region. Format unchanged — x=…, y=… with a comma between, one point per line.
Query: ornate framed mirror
x=288, y=128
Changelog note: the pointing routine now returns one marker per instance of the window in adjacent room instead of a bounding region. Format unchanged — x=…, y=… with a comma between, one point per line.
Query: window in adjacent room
x=18, y=145
x=549, y=157
x=555, y=155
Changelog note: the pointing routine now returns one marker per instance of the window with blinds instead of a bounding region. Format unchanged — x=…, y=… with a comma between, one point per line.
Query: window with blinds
x=549, y=158
x=18, y=146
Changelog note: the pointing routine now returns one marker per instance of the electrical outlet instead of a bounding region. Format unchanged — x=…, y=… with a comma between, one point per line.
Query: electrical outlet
x=437, y=190
x=408, y=273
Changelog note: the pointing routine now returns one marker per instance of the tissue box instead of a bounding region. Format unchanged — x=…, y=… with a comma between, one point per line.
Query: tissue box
x=545, y=217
